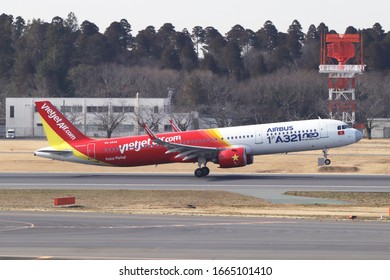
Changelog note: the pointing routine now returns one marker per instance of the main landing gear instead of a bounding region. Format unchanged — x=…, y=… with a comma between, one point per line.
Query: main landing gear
x=202, y=171
x=325, y=153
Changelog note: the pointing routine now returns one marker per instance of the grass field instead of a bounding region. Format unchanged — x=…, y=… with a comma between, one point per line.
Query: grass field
x=365, y=206
x=365, y=157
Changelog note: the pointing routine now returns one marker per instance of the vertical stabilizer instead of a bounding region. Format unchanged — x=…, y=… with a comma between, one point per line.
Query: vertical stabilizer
x=59, y=130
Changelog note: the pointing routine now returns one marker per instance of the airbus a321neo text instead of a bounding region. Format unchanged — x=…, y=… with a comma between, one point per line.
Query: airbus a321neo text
x=228, y=147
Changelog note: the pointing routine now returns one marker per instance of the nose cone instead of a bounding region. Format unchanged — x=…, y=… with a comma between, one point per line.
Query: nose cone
x=358, y=135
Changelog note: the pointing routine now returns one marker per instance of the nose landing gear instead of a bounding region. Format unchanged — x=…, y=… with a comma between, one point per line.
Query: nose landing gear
x=325, y=153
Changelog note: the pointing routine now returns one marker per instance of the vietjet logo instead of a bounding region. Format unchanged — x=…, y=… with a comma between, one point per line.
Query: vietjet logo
x=137, y=145
x=51, y=114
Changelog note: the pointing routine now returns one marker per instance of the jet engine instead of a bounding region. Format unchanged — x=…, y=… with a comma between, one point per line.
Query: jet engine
x=235, y=157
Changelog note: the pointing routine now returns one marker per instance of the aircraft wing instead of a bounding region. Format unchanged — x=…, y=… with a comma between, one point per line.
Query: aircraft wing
x=184, y=151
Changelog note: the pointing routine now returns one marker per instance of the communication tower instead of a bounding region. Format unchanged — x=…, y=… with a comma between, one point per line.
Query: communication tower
x=342, y=58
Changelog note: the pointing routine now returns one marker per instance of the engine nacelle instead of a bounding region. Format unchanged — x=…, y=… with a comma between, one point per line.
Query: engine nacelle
x=235, y=157
x=249, y=159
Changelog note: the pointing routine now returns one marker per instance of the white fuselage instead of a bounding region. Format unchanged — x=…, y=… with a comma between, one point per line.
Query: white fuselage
x=291, y=136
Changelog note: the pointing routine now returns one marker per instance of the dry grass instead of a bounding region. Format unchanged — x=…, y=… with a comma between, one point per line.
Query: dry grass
x=366, y=205
x=129, y=201
x=370, y=199
x=364, y=157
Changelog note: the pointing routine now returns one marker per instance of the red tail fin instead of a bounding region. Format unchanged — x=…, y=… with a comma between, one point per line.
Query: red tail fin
x=56, y=125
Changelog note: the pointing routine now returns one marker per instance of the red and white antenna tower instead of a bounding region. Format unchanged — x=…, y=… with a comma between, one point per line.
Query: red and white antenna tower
x=336, y=51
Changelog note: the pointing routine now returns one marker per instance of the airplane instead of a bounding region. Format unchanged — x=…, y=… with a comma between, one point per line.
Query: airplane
x=230, y=147
x=174, y=126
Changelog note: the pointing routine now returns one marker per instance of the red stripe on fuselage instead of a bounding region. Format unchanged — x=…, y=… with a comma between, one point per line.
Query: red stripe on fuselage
x=140, y=150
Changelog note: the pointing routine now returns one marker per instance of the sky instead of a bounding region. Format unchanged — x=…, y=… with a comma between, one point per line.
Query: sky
x=222, y=15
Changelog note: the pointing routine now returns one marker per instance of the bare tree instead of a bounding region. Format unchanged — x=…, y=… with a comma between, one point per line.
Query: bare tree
x=109, y=120
x=372, y=100
x=73, y=113
x=152, y=116
x=369, y=110
x=3, y=95
x=182, y=120
x=112, y=80
x=220, y=115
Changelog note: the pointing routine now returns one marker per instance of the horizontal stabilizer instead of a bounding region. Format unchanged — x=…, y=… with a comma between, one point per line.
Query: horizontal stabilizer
x=53, y=152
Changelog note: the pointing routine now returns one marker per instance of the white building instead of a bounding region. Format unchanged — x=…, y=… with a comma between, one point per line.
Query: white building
x=84, y=113
x=380, y=128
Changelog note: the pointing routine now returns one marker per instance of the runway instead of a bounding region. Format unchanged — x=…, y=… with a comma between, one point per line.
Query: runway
x=105, y=236
x=109, y=236
x=267, y=186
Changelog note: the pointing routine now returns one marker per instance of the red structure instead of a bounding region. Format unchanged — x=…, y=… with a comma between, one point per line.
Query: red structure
x=64, y=200
x=336, y=51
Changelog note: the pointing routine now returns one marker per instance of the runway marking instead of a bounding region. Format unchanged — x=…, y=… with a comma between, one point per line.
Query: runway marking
x=126, y=185
x=6, y=227
x=178, y=185
x=168, y=226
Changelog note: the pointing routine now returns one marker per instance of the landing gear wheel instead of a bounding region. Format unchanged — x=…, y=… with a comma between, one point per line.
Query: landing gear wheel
x=325, y=153
x=198, y=172
x=205, y=171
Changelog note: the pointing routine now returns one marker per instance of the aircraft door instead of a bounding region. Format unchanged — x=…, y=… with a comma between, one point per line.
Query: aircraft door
x=323, y=129
x=91, y=150
x=258, y=138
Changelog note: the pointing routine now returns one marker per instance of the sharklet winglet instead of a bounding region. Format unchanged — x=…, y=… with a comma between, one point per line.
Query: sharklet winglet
x=174, y=126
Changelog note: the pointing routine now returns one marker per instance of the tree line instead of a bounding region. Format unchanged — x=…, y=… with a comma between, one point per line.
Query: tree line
x=240, y=77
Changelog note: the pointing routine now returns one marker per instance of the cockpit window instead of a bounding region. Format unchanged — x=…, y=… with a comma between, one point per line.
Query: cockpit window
x=341, y=127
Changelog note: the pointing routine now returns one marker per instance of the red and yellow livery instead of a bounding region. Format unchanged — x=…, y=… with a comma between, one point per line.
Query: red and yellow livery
x=229, y=147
